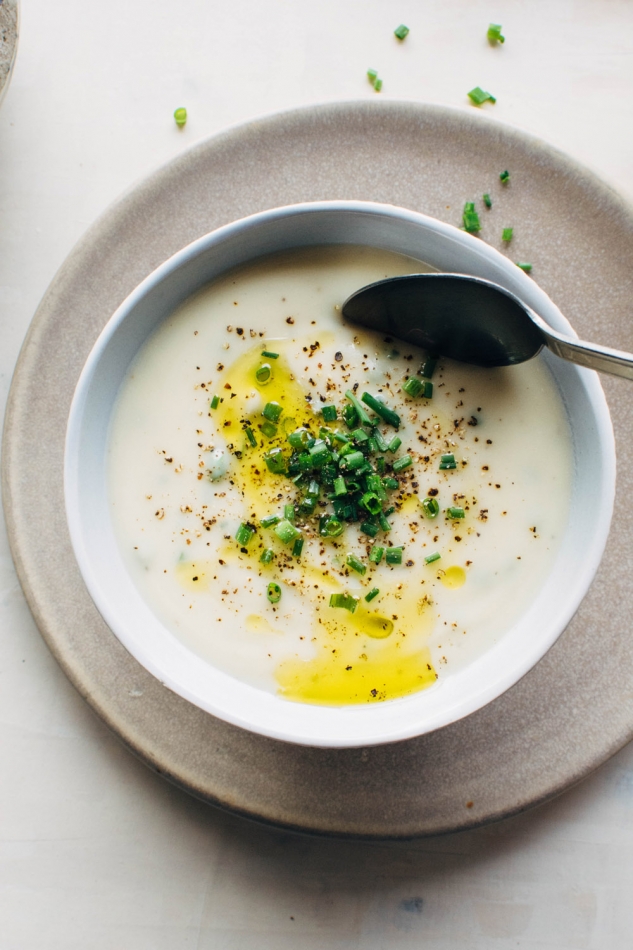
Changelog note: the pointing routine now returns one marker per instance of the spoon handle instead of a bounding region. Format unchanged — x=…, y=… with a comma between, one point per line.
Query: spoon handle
x=601, y=358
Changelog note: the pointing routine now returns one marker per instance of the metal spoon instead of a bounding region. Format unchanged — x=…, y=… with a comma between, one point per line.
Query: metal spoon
x=472, y=320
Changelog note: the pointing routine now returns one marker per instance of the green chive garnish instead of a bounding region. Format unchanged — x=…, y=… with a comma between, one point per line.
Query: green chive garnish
x=286, y=532
x=401, y=31
x=250, y=435
x=244, y=534
x=470, y=218
x=494, y=34
x=524, y=266
x=447, y=462
x=263, y=373
x=368, y=528
x=395, y=444
x=289, y=513
x=275, y=461
x=378, y=85
x=330, y=527
x=270, y=356
x=356, y=565
x=376, y=555
x=267, y=556
x=215, y=402
x=346, y=601
x=504, y=177
x=394, y=555
x=428, y=389
x=478, y=96
x=297, y=547
x=272, y=411
x=180, y=115
x=402, y=463
x=428, y=367
x=430, y=507
x=372, y=75
x=329, y=413
x=268, y=429
x=390, y=417
x=455, y=512
x=360, y=409
x=487, y=200
x=371, y=594
x=432, y=557
x=269, y=520
x=506, y=234
x=413, y=387
x=352, y=461
x=274, y=593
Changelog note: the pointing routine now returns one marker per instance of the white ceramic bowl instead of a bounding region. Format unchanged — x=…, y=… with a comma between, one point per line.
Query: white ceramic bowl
x=143, y=634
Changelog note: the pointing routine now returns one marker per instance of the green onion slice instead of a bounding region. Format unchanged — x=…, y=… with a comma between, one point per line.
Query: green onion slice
x=273, y=593
x=371, y=594
x=394, y=555
x=356, y=565
x=429, y=559
x=244, y=534
x=401, y=31
x=346, y=601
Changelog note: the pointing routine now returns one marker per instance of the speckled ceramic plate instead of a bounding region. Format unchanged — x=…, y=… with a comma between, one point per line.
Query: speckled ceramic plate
x=571, y=711
x=8, y=41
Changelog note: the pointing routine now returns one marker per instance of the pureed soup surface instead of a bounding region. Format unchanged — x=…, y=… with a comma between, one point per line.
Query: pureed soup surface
x=186, y=478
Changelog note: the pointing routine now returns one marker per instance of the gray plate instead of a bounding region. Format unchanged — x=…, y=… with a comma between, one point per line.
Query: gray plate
x=568, y=714
x=8, y=41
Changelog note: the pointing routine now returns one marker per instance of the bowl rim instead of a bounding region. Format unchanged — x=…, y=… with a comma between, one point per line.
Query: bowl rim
x=583, y=578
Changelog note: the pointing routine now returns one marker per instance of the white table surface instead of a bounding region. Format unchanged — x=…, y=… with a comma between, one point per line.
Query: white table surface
x=96, y=852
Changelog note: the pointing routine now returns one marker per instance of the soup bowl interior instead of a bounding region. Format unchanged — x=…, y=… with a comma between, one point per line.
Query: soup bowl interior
x=142, y=632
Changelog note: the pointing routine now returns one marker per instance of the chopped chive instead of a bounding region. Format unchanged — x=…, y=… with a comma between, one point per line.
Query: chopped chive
x=384, y=524
x=263, y=373
x=494, y=34
x=428, y=367
x=371, y=594
x=470, y=218
x=286, y=532
x=371, y=503
x=394, y=555
x=395, y=444
x=269, y=520
x=270, y=356
x=378, y=85
x=267, y=556
x=330, y=527
x=504, y=177
x=372, y=75
x=389, y=511
x=361, y=412
x=447, y=462
x=390, y=482
x=297, y=547
x=524, y=266
x=478, y=96
x=275, y=461
x=487, y=200
x=180, y=115
x=268, y=429
x=401, y=31
x=250, y=435
x=340, y=488
x=313, y=489
x=244, y=534
x=298, y=438
x=289, y=513
x=215, y=402
x=428, y=389
x=346, y=601
x=356, y=565
x=352, y=461
x=360, y=436
x=402, y=463
x=272, y=411
x=430, y=507
x=380, y=440
x=376, y=554
x=329, y=413
x=413, y=387
x=390, y=417
x=449, y=457
x=432, y=557
x=273, y=593
x=506, y=234
x=455, y=512
x=370, y=529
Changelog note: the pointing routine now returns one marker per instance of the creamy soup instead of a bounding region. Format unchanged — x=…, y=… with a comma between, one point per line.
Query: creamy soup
x=308, y=552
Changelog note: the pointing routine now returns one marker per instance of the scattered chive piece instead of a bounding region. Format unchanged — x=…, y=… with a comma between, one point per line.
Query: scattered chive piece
x=371, y=503
x=430, y=507
x=447, y=462
x=361, y=412
x=269, y=520
x=340, y=488
x=504, y=177
x=286, y=532
x=372, y=75
x=376, y=555
x=402, y=463
x=269, y=429
x=215, y=402
x=272, y=411
x=401, y=31
x=455, y=512
x=494, y=34
x=390, y=417
x=267, y=556
x=428, y=389
x=524, y=266
x=372, y=593
x=356, y=565
x=478, y=96
x=289, y=513
x=329, y=413
x=346, y=601
x=352, y=461
x=263, y=373
x=275, y=461
x=368, y=528
x=298, y=438
x=413, y=387
x=378, y=85
x=273, y=593
x=270, y=356
x=394, y=556
x=250, y=435
x=470, y=218
x=330, y=527
x=506, y=234
x=297, y=547
x=487, y=200
x=180, y=115
x=384, y=524
x=432, y=557
x=390, y=482
x=244, y=534
x=395, y=444
x=428, y=367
